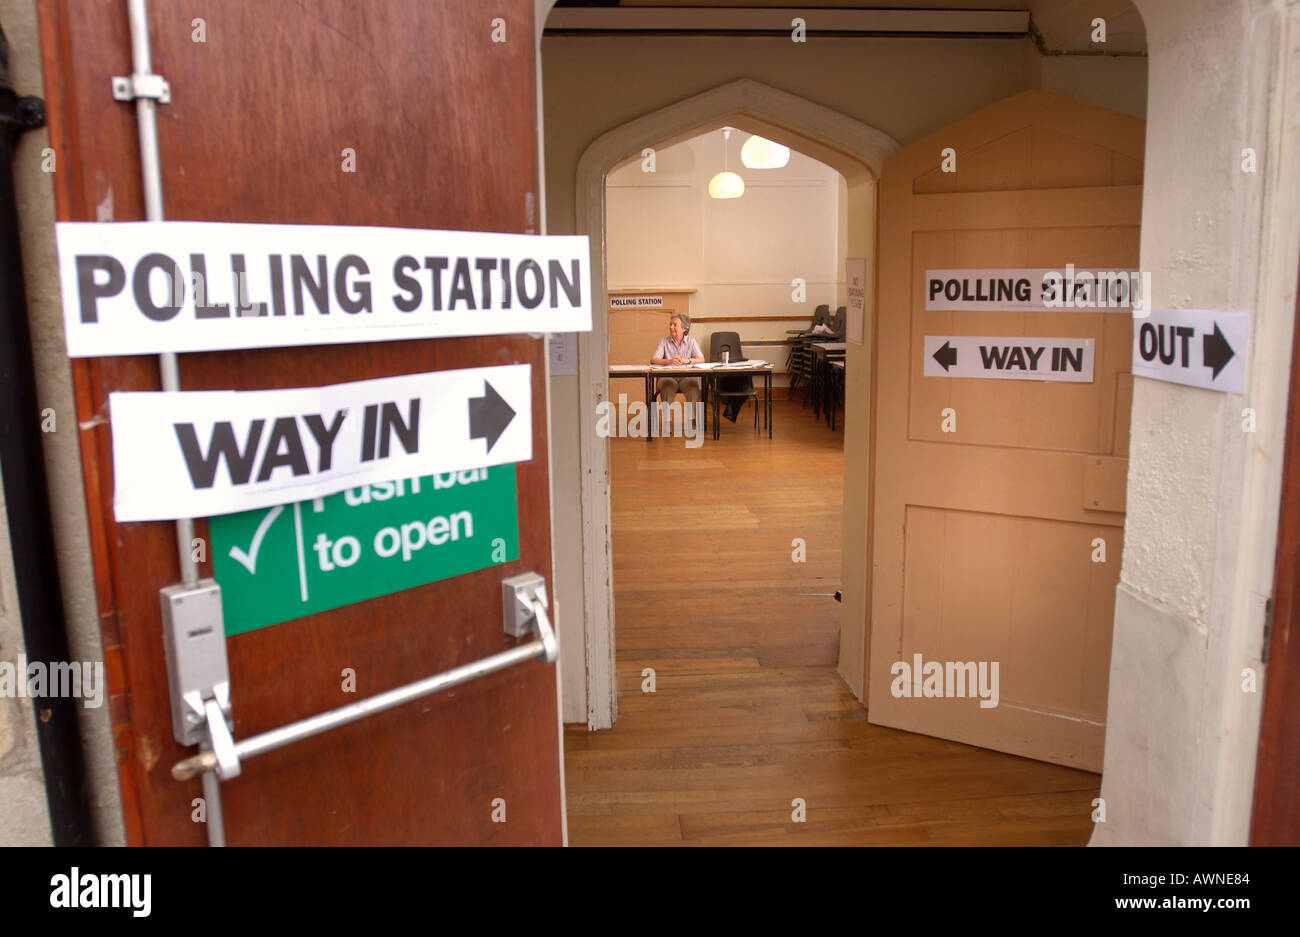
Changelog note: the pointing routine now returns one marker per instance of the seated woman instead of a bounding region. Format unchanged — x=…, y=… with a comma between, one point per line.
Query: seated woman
x=678, y=348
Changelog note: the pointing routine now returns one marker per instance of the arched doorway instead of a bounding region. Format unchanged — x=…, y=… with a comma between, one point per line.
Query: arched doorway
x=857, y=151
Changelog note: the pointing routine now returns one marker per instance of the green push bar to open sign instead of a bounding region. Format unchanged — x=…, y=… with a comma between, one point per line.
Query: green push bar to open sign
x=284, y=562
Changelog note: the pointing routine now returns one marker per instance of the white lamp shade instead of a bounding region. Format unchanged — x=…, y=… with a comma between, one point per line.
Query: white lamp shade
x=758, y=153
x=726, y=185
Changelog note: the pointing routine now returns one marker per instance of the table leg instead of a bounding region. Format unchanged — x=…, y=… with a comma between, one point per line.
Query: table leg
x=826, y=394
x=649, y=405
x=828, y=390
x=717, y=413
x=816, y=383
x=812, y=378
x=767, y=395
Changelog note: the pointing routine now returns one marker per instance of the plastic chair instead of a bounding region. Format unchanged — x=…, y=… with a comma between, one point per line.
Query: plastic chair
x=838, y=322
x=800, y=363
x=739, y=385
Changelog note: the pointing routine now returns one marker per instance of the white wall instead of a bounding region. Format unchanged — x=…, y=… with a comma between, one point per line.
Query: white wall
x=1199, y=538
x=24, y=812
x=741, y=255
x=35, y=197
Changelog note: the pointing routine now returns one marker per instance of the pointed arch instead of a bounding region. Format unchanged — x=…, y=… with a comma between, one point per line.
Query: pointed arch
x=857, y=151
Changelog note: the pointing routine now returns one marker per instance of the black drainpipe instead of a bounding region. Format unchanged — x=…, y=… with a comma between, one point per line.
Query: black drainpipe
x=27, y=499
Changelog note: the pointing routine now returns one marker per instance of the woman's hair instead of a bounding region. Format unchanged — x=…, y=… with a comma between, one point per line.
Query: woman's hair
x=685, y=320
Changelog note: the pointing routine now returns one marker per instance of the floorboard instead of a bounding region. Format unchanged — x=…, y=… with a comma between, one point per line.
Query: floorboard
x=748, y=713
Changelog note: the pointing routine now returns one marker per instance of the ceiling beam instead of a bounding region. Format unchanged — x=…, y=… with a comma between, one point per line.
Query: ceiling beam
x=755, y=21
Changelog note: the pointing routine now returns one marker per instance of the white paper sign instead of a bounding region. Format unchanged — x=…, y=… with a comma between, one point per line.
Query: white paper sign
x=1197, y=347
x=653, y=302
x=564, y=353
x=145, y=287
x=1009, y=358
x=1037, y=288
x=855, y=269
x=201, y=453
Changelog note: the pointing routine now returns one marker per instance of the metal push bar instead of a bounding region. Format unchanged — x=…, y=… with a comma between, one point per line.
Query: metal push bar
x=525, y=611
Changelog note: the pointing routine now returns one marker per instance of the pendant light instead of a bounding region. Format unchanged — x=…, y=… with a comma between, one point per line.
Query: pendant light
x=726, y=184
x=760, y=153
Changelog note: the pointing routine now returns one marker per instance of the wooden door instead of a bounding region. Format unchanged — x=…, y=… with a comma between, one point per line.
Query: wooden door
x=440, y=122
x=1275, y=818
x=985, y=536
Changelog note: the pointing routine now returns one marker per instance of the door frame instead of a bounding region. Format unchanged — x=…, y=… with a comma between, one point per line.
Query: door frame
x=1275, y=815
x=857, y=151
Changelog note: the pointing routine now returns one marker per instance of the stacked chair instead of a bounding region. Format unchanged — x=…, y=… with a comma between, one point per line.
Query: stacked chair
x=801, y=354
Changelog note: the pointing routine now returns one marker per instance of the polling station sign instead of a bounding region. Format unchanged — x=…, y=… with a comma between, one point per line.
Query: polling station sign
x=281, y=563
x=1038, y=289
x=175, y=286
x=203, y=453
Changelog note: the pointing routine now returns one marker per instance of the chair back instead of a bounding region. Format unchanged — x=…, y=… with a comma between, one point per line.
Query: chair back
x=821, y=316
x=725, y=341
x=837, y=323
x=737, y=384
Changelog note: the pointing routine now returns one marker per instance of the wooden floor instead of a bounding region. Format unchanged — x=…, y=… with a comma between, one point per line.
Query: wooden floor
x=748, y=712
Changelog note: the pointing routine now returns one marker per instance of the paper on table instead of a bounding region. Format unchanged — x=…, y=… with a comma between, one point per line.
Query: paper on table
x=627, y=367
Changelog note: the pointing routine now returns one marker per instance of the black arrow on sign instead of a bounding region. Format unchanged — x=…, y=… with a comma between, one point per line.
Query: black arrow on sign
x=489, y=416
x=1215, y=351
x=946, y=356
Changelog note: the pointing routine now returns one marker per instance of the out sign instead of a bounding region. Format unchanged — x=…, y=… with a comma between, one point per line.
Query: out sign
x=1196, y=347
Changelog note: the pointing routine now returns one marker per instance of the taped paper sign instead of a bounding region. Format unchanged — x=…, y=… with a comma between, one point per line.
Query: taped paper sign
x=1010, y=358
x=855, y=269
x=1196, y=347
x=1038, y=288
x=202, y=453
x=284, y=562
x=144, y=287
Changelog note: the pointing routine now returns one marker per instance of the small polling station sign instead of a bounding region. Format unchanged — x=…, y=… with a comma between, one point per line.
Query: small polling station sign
x=287, y=561
x=145, y=287
x=1197, y=347
x=203, y=453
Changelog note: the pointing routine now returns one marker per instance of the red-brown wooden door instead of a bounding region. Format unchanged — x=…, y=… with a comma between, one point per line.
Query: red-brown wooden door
x=441, y=120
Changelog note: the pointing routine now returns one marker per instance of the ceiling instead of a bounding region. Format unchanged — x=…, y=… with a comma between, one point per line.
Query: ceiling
x=1065, y=24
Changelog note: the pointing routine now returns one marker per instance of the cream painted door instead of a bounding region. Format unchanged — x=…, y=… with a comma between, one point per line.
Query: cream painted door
x=985, y=537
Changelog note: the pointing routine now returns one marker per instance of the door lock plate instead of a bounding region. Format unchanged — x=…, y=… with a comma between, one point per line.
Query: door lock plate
x=524, y=600
x=194, y=636
x=518, y=594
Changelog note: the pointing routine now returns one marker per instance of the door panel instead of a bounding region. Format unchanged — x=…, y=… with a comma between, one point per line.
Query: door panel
x=984, y=536
x=260, y=116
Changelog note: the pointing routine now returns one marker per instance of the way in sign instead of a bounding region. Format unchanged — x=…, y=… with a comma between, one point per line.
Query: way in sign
x=1009, y=358
x=1025, y=357
x=204, y=453
x=382, y=424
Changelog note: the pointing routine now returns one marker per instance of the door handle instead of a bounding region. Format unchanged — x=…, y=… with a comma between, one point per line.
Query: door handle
x=524, y=599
